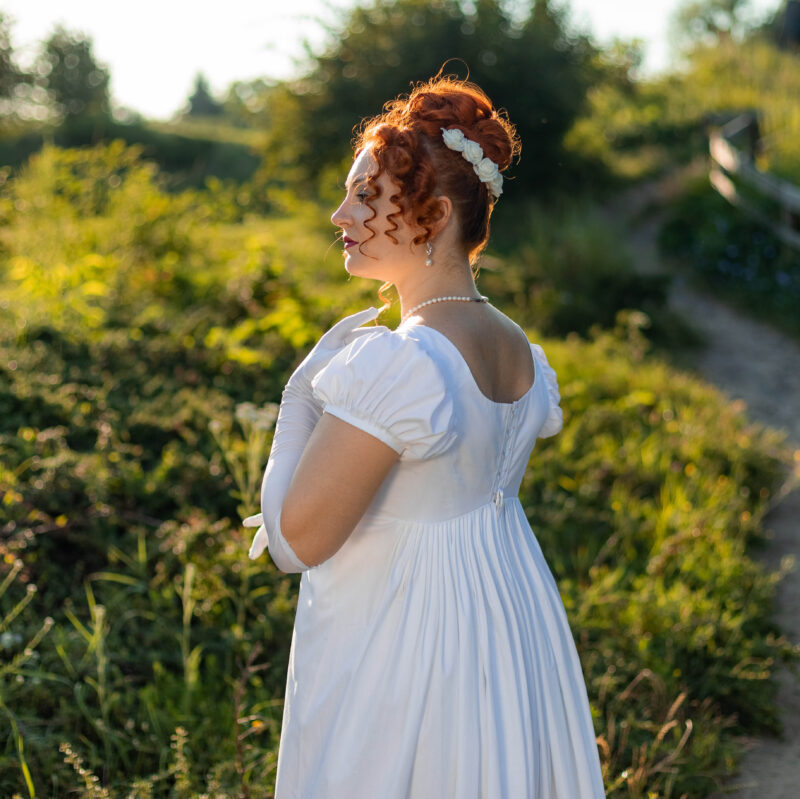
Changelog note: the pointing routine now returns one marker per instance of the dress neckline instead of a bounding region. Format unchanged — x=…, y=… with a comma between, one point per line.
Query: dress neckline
x=464, y=363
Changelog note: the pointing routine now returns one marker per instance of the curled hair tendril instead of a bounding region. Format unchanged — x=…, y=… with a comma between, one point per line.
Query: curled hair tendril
x=377, y=189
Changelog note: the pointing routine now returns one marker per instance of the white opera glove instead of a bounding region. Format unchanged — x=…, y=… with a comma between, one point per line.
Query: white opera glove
x=298, y=416
x=341, y=334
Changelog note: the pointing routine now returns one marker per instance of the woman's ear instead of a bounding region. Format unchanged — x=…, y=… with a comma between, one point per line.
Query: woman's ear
x=442, y=214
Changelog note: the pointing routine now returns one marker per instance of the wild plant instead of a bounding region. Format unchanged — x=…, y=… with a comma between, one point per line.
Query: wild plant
x=245, y=455
x=244, y=452
x=14, y=668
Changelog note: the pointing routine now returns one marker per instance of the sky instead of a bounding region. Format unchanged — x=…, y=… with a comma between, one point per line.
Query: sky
x=155, y=48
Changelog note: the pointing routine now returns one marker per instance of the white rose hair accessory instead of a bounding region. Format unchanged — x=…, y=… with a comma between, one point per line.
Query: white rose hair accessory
x=471, y=151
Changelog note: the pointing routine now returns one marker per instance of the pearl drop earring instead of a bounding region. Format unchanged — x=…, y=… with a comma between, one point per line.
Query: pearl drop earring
x=429, y=253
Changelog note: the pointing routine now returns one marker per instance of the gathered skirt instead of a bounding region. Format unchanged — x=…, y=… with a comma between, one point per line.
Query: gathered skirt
x=434, y=660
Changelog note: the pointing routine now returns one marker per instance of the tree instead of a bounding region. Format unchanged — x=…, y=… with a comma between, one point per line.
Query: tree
x=76, y=83
x=535, y=67
x=709, y=21
x=247, y=102
x=10, y=74
x=201, y=102
x=782, y=25
x=12, y=78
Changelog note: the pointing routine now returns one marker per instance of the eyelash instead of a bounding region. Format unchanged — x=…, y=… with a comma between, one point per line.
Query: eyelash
x=362, y=195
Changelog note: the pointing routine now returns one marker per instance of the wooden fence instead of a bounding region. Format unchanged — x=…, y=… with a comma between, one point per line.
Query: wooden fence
x=728, y=161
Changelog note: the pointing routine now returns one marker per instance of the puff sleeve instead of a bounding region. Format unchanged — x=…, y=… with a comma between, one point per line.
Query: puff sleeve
x=554, y=420
x=389, y=386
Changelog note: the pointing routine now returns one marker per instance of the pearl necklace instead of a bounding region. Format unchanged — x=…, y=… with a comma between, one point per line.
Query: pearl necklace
x=450, y=298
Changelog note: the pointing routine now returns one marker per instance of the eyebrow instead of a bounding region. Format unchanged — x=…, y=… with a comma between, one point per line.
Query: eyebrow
x=357, y=179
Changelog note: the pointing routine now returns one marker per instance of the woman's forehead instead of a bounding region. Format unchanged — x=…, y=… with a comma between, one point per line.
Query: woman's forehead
x=363, y=166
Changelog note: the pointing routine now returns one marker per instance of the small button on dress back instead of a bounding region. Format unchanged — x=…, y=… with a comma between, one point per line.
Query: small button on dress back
x=498, y=499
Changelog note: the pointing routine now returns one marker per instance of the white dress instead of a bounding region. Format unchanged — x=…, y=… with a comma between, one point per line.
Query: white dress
x=431, y=656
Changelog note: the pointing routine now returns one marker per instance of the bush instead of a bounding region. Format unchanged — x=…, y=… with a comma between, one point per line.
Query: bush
x=565, y=269
x=188, y=157
x=639, y=127
x=728, y=252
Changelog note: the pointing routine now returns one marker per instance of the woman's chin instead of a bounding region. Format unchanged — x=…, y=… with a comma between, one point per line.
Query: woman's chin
x=357, y=268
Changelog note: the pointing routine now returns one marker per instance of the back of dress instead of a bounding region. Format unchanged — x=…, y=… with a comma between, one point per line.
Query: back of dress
x=486, y=462
x=431, y=654
x=459, y=449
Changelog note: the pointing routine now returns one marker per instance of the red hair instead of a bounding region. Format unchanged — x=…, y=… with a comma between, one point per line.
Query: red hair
x=406, y=141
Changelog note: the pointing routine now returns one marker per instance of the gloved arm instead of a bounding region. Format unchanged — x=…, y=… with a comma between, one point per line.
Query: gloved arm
x=298, y=415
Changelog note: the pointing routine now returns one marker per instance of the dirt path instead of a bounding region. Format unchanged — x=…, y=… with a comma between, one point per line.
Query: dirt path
x=749, y=361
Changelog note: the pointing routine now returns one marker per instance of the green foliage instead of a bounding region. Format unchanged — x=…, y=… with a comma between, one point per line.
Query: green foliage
x=637, y=127
x=11, y=75
x=245, y=103
x=67, y=248
x=201, y=103
x=16, y=657
x=75, y=82
x=189, y=152
x=730, y=253
x=535, y=67
x=243, y=453
x=754, y=75
x=138, y=327
x=566, y=270
x=701, y=21
x=631, y=127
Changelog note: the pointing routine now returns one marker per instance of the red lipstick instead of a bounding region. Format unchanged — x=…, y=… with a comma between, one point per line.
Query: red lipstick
x=348, y=242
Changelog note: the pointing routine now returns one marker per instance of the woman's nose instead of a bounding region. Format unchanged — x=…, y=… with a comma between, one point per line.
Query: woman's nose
x=340, y=217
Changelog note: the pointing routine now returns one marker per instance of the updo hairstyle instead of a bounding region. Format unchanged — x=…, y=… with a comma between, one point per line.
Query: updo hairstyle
x=406, y=141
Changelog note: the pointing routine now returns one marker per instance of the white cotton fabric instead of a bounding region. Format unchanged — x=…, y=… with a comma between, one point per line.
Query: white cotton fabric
x=360, y=385
x=431, y=656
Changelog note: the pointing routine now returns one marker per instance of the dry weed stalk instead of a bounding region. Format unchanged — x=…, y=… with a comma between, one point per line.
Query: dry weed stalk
x=646, y=760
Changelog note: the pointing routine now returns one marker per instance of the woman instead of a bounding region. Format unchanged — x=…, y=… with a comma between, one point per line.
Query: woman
x=431, y=655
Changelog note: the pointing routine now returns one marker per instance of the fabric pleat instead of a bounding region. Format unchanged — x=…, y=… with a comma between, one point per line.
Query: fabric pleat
x=468, y=667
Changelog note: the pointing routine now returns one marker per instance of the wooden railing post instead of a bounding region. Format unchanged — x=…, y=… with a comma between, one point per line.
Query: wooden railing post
x=728, y=161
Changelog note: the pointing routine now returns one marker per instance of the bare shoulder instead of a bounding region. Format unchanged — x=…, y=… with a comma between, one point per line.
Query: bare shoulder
x=479, y=321
x=508, y=326
x=494, y=346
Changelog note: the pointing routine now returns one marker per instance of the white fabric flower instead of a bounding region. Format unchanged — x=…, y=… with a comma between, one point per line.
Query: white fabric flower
x=486, y=169
x=473, y=152
x=454, y=139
